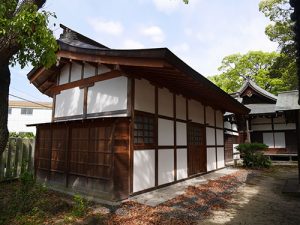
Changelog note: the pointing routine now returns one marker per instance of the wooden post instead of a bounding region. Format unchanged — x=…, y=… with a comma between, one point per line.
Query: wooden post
x=8, y=161
x=2, y=165
x=24, y=159
x=298, y=141
x=17, y=152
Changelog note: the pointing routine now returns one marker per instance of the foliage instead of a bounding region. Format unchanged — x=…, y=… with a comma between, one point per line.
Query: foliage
x=272, y=71
x=21, y=135
x=256, y=65
x=80, y=206
x=253, y=156
x=26, y=29
x=281, y=32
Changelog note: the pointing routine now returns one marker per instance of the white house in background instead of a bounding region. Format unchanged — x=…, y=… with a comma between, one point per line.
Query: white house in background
x=21, y=113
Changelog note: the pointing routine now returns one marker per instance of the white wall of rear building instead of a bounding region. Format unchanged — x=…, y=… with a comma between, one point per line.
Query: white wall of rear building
x=17, y=122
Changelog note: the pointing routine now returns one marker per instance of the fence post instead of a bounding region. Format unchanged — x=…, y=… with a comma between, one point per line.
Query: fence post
x=24, y=160
x=30, y=161
x=2, y=163
x=17, y=157
x=8, y=172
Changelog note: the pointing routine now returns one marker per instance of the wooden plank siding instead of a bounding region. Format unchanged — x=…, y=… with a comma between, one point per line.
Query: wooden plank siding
x=90, y=156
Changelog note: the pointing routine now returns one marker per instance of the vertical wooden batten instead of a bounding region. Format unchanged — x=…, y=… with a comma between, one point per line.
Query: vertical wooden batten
x=216, y=149
x=156, y=136
x=187, y=133
x=85, y=100
x=131, y=95
x=175, y=137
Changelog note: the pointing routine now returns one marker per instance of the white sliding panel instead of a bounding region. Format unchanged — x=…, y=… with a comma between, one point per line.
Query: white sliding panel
x=211, y=159
x=76, y=72
x=64, y=74
x=89, y=70
x=144, y=99
x=165, y=132
x=196, y=111
x=143, y=170
x=108, y=95
x=220, y=157
x=182, y=163
x=268, y=139
x=210, y=136
x=219, y=119
x=279, y=140
x=180, y=107
x=210, y=116
x=69, y=102
x=165, y=102
x=181, y=135
x=220, y=137
x=165, y=166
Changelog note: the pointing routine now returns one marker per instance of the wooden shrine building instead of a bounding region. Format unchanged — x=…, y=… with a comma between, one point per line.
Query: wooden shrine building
x=126, y=121
x=272, y=120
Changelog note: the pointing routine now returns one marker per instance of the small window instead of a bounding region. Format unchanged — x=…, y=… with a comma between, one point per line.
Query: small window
x=9, y=110
x=144, y=130
x=196, y=135
x=26, y=111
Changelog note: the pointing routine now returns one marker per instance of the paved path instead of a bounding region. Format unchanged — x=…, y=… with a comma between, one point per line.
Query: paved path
x=162, y=195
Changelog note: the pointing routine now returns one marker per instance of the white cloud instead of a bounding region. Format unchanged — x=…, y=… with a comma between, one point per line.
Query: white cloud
x=167, y=6
x=154, y=32
x=132, y=44
x=181, y=48
x=106, y=26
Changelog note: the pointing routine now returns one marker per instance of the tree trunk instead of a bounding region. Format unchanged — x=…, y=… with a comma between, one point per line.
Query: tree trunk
x=4, y=91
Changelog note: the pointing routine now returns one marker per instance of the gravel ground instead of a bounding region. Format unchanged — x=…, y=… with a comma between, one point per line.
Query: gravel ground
x=260, y=201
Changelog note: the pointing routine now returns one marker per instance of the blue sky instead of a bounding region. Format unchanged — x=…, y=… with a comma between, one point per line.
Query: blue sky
x=201, y=33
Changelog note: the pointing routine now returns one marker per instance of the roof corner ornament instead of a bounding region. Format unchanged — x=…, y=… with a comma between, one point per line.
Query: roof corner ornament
x=68, y=34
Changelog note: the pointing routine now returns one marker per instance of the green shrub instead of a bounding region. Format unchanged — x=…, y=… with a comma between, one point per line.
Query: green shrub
x=21, y=135
x=80, y=206
x=252, y=154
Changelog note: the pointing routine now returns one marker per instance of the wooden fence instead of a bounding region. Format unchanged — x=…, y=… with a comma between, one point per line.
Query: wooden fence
x=17, y=158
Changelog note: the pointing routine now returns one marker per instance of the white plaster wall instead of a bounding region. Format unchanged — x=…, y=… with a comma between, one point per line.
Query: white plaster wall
x=261, y=127
x=283, y=126
x=144, y=99
x=143, y=170
x=182, y=163
x=268, y=139
x=69, y=102
x=165, y=166
x=102, y=69
x=165, y=132
x=210, y=116
x=107, y=95
x=279, y=139
x=227, y=125
x=196, y=111
x=211, y=159
x=279, y=120
x=260, y=120
x=219, y=119
x=210, y=136
x=89, y=70
x=220, y=137
x=165, y=102
x=220, y=157
x=234, y=126
x=64, y=74
x=181, y=135
x=17, y=122
x=180, y=107
x=76, y=72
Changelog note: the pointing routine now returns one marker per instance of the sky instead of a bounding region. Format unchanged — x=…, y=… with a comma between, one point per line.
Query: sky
x=201, y=33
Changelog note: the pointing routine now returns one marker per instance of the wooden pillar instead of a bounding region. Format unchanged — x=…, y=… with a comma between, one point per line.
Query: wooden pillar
x=298, y=141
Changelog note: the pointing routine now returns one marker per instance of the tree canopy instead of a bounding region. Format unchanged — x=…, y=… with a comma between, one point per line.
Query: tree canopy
x=24, y=33
x=256, y=65
x=272, y=71
x=25, y=39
